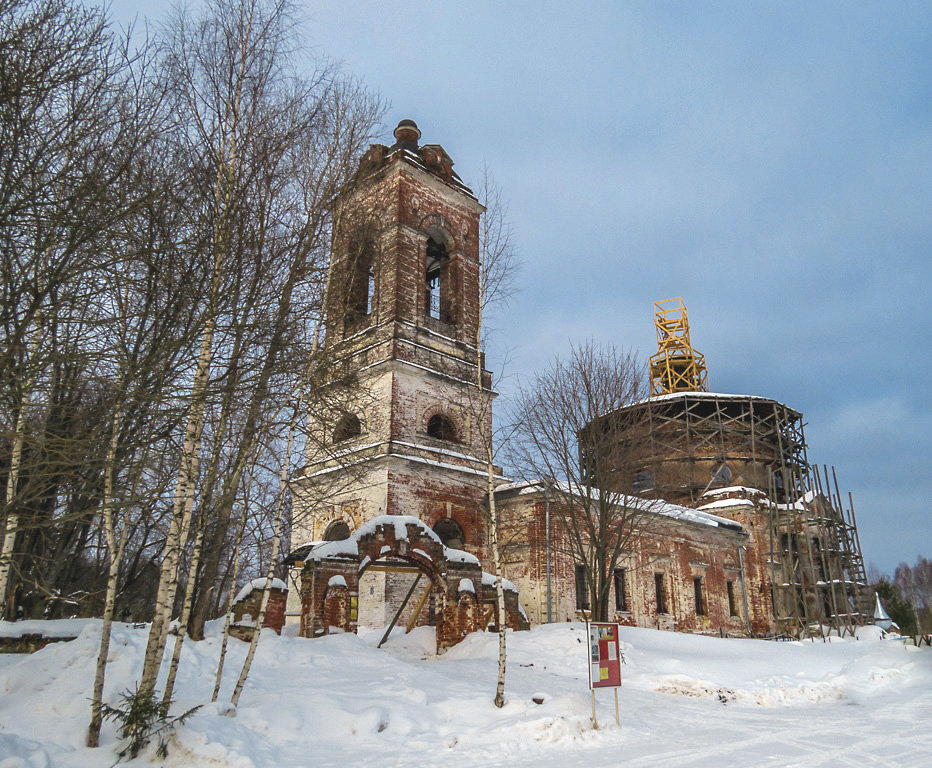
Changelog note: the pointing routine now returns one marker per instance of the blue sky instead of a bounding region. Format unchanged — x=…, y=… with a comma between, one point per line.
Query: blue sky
x=771, y=163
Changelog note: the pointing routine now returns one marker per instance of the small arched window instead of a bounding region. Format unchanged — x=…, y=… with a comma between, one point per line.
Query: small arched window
x=347, y=428
x=449, y=532
x=722, y=474
x=337, y=531
x=441, y=427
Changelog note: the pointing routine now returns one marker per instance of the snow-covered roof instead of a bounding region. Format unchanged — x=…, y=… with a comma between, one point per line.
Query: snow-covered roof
x=711, y=396
x=488, y=580
x=734, y=489
x=257, y=584
x=724, y=503
x=650, y=506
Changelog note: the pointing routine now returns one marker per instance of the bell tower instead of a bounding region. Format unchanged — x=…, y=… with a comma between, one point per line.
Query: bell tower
x=400, y=429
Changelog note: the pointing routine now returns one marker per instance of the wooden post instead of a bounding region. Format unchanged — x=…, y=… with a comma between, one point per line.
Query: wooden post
x=617, y=716
x=417, y=609
x=595, y=723
x=398, y=614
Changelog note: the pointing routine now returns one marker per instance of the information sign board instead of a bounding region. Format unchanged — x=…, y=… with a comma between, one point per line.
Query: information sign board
x=604, y=656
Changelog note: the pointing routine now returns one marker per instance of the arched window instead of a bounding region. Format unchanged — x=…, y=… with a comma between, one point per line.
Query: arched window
x=449, y=532
x=441, y=427
x=722, y=474
x=437, y=294
x=360, y=299
x=347, y=428
x=337, y=531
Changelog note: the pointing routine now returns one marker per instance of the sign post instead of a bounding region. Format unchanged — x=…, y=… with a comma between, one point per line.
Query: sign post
x=604, y=663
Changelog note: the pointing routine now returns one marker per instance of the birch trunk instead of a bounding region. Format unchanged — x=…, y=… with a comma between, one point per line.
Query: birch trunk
x=276, y=542
x=181, y=518
x=184, y=492
x=185, y=614
x=16, y=457
x=485, y=431
x=499, y=587
x=227, y=612
x=116, y=555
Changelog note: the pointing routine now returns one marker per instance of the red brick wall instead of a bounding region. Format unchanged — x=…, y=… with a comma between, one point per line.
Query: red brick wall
x=250, y=605
x=680, y=550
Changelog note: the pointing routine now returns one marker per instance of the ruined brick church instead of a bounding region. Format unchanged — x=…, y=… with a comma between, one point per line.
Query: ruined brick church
x=390, y=505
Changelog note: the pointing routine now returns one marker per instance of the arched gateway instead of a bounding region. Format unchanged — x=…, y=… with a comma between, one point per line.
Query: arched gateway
x=464, y=596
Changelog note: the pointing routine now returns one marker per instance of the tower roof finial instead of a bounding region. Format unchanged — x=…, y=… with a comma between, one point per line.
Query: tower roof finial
x=407, y=132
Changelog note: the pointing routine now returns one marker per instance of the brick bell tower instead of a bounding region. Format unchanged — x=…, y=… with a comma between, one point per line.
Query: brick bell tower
x=399, y=433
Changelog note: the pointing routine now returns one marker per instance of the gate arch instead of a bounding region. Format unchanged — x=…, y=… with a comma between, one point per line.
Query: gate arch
x=329, y=568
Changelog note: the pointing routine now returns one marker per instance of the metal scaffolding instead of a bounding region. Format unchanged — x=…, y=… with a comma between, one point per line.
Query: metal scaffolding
x=818, y=582
x=691, y=442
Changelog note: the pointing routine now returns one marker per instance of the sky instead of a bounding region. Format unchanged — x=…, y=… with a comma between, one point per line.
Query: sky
x=769, y=162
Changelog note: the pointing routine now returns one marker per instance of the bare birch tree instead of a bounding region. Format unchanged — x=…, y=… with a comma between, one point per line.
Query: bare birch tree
x=571, y=430
x=282, y=147
x=497, y=265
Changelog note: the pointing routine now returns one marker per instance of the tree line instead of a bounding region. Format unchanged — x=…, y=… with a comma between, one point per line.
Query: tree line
x=165, y=208
x=907, y=595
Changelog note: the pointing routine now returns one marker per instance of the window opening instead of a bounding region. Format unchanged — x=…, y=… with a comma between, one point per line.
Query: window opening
x=450, y=533
x=582, y=591
x=337, y=531
x=441, y=428
x=621, y=598
x=642, y=480
x=723, y=474
x=436, y=300
x=697, y=591
x=361, y=298
x=347, y=427
x=817, y=556
x=661, y=593
x=732, y=604
x=370, y=290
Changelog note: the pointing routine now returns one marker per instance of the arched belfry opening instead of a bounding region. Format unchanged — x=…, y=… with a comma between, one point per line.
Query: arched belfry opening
x=438, y=293
x=360, y=283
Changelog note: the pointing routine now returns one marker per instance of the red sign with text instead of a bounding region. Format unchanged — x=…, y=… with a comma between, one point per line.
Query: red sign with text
x=604, y=657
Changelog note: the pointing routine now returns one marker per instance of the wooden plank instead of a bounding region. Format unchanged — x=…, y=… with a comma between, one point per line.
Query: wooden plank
x=392, y=568
x=417, y=608
x=398, y=614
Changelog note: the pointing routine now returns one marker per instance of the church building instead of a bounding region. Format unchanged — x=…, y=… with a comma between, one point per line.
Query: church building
x=401, y=436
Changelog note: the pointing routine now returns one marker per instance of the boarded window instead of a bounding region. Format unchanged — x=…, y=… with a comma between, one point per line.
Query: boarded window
x=582, y=589
x=732, y=604
x=697, y=591
x=621, y=597
x=661, y=592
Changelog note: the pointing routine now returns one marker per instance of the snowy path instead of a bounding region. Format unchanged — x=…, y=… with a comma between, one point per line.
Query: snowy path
x=686, y=701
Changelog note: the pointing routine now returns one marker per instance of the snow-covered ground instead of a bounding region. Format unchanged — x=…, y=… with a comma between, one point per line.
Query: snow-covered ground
x=338, y=701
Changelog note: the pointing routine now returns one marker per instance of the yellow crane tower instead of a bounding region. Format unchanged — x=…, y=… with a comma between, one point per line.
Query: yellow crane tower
x=676, y=367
